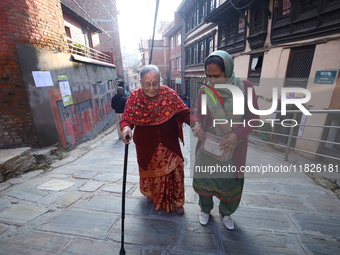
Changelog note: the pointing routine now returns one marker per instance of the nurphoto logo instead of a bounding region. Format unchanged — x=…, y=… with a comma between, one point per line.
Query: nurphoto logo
x=238, y=104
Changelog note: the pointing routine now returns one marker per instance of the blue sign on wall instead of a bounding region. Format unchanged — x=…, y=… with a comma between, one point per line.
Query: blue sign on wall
x=325, y=77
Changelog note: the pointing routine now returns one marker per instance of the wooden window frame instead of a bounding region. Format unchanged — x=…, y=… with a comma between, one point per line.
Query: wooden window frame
x=255, y=75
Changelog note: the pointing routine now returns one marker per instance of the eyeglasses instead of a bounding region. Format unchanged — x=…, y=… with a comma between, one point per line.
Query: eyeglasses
x=148, y=85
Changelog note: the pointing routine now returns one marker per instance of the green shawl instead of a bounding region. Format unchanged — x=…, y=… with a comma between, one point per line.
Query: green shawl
x=226, y=111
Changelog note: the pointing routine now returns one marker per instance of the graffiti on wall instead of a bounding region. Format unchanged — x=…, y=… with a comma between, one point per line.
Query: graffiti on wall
x=87, y=116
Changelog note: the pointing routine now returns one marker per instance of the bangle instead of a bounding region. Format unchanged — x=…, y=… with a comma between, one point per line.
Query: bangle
x=125, y=128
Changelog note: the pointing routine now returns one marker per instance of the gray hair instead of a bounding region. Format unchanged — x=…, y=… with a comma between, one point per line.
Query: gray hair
x=148, y=68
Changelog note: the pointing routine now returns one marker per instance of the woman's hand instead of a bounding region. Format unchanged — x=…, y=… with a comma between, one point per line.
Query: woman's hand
x=126, y=131
x=198, y=131
x=230, y=144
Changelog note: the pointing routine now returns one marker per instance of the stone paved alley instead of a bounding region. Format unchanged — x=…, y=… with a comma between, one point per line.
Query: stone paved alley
x=75, y=208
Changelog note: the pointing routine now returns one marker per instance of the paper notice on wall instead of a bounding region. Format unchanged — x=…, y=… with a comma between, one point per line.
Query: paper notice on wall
x=65, y=90
x=42, y=78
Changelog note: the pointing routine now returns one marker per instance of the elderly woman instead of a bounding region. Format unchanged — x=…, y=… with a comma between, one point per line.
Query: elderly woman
x=227, y=186
x=156, y=113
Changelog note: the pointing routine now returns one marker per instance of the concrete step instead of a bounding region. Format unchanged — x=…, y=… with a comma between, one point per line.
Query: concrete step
x=15, y=161
x=48, y=154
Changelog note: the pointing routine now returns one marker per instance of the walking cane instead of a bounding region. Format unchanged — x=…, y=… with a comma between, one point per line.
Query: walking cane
x=122, y=250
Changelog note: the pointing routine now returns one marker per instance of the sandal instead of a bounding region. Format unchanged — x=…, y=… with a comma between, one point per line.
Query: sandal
x=149, y=200
x=180, y=210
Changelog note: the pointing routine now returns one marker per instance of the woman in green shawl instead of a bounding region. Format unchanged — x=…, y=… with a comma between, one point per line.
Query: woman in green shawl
x=227, y=185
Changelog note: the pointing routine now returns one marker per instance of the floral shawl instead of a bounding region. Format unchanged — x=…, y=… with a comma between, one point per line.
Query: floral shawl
x=142, y=111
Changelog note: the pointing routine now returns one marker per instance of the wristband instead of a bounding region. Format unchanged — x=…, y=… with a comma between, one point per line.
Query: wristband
x=125, y=128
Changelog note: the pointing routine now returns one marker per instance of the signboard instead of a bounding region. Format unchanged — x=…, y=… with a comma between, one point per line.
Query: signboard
x=325, y=77
x=178, y=81
x=65, y=90
x=42, y=78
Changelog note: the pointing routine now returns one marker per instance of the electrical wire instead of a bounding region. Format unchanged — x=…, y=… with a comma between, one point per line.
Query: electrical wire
x=109, y=12
x=240, y=8
x=96, y=23
x=113, y=2
x=154, y=28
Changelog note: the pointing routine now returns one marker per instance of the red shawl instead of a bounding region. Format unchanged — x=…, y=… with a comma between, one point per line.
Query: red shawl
x=140, y=110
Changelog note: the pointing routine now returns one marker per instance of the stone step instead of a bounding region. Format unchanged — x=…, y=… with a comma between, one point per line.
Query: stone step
x=15, y=161
x=47, y=154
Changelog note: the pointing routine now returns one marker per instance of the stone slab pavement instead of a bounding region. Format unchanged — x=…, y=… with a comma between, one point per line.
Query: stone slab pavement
x=75, y=208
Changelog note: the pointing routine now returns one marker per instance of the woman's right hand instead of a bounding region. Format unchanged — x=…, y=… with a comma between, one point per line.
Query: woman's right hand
x=126, y=131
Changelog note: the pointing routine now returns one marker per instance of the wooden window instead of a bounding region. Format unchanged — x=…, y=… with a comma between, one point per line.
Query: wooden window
x=306, y=5
x=202, y=7
x=282, y=7
x=258, y=20
x=193, y=18
x=241, y=25
x=209, y=45
x=231, y=31
x=172, y=65
x=179, y=64
x=172, y=42
x=304, y=19
x=255, y=67
x=179, y=38
x=187, y=56
x=68, y=32
x=193, y=54
x=200, y=52
x=87, y=38
x=210, y=6
x=222, y=30
x=258, y=26
x=187, y=23
x=299, y=64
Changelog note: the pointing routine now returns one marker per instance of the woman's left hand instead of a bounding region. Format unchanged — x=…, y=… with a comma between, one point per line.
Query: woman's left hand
x=230, y=143
x=198, y=131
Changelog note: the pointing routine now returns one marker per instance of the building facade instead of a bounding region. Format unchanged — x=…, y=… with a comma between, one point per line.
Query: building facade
x=103, y=14
x=275, y=44
x=159, y=55
x=53, y=90
x=199, y=41
x=174, y=34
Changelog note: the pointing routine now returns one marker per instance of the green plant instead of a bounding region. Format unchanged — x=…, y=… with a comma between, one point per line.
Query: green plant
x=266, y=127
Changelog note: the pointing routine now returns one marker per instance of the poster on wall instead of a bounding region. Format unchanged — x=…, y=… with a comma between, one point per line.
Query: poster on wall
x=65, y=90
x=42, y=78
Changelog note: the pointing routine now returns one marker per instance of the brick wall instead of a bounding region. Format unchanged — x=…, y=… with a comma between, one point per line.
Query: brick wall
x=75, y=30
x=160, y=55
x=37, y=23
x=175, y=53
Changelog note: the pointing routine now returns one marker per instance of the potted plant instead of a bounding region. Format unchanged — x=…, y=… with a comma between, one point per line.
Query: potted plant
x=266, y=127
